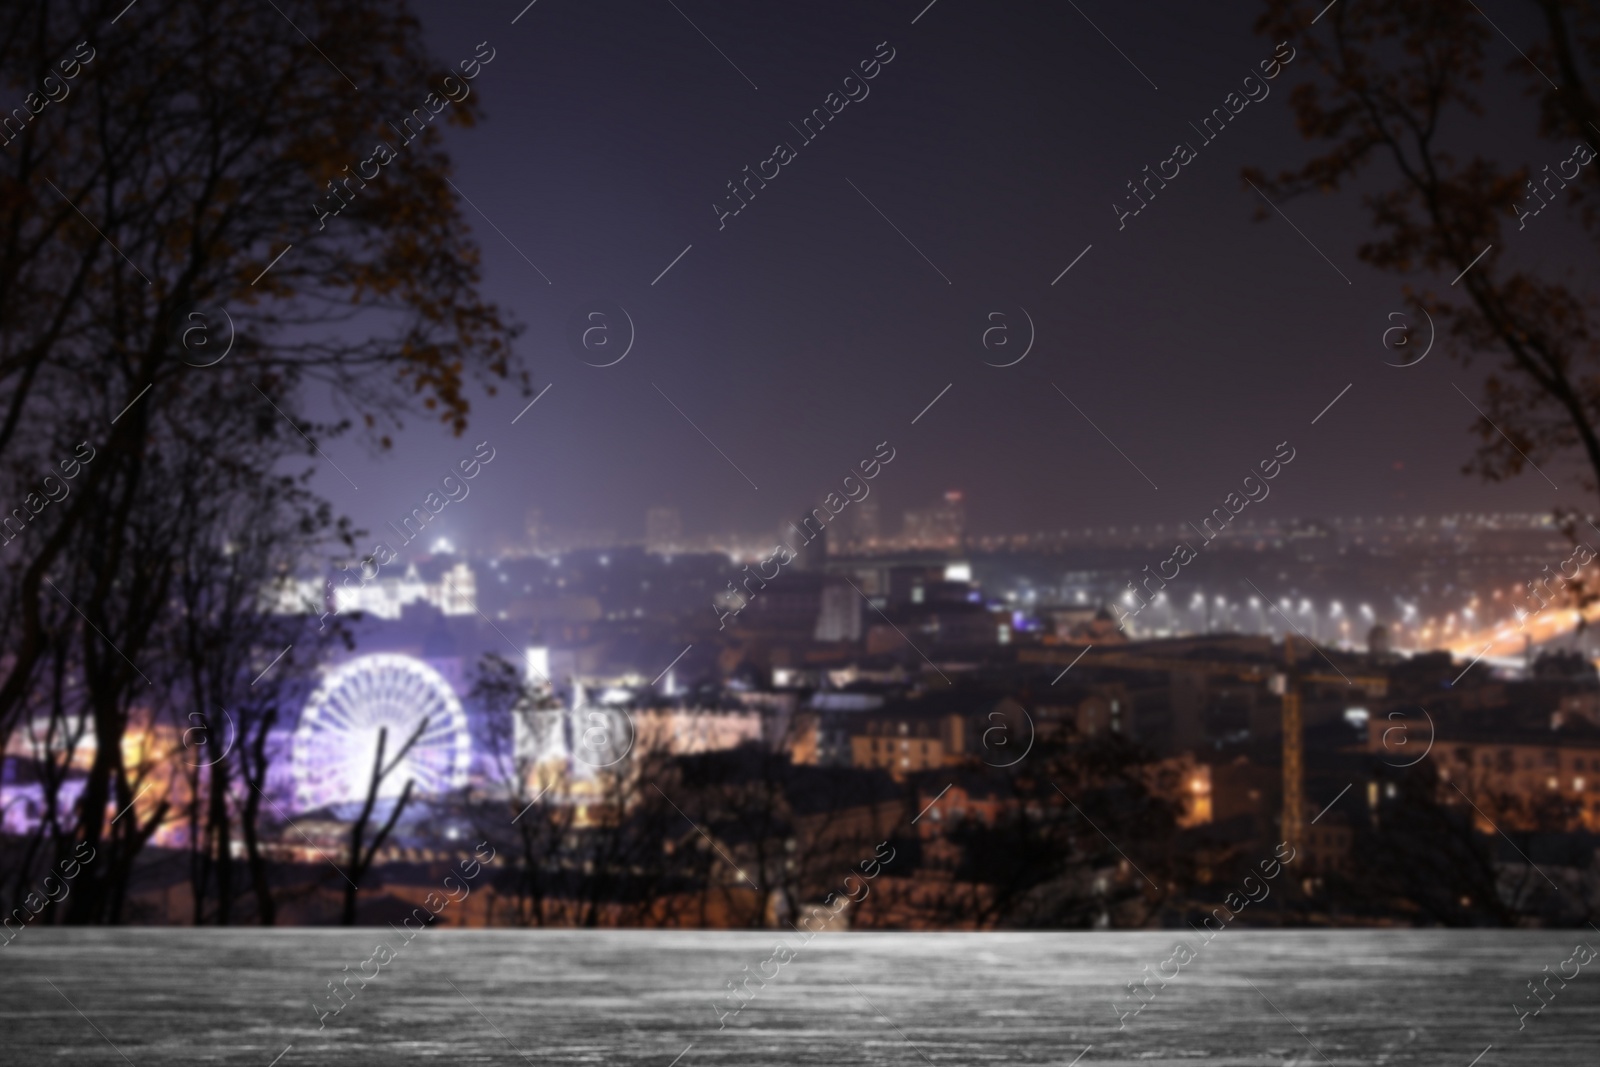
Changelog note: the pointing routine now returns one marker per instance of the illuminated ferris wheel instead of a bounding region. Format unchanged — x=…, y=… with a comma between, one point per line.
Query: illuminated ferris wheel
x=337, y=739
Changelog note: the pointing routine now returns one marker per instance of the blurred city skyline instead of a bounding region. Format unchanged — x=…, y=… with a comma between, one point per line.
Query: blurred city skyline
x=1044, y=457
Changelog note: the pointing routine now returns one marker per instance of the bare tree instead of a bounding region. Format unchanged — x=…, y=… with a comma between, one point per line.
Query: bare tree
x=361, y=852
x=239, y=653
x=54, y=728
x=255, y=726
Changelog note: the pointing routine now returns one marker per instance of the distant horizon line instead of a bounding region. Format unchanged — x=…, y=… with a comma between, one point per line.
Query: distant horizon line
x=712, y=543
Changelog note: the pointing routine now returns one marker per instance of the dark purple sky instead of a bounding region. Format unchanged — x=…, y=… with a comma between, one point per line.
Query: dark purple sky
x=808, y=330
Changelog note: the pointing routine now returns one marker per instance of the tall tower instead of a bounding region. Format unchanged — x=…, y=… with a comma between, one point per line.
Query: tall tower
x=1294, y=811
x=953, y=519
x=534, y=529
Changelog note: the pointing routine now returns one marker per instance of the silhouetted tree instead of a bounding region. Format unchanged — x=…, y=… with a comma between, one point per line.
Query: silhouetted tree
x=181, y=178
x=1426, y=858
x=1398, y=92
x=1078, y=841
x=241, y=653
x=361, y=851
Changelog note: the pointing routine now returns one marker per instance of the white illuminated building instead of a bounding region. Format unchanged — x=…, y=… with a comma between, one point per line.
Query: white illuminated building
x=455, y=593
x=539, y=735
x=600, y=730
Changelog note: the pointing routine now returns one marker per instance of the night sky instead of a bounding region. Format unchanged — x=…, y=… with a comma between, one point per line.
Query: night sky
x=807, y=329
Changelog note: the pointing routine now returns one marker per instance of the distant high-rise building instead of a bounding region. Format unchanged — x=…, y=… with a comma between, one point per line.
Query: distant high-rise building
x=865, y=528
x=808, y=540
x=840, y=616
x=663, y=530
x=942, y=526
x=533, y=526
x=955, y=515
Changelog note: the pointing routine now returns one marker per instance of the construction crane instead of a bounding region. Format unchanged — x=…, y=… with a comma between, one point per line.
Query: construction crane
x=1286, y=684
